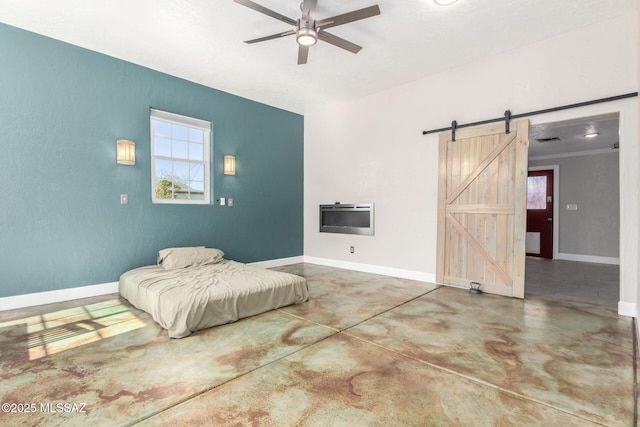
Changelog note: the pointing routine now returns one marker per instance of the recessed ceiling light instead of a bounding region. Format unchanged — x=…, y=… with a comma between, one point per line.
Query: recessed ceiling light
x=591, y=135
x=444, y=2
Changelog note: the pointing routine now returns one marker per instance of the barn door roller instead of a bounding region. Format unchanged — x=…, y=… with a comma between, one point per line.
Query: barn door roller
x=507, y=119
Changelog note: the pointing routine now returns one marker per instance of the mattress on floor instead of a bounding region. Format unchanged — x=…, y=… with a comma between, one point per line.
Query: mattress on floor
x=189, y=299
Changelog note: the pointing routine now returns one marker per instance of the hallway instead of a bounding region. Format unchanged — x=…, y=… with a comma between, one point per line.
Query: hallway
x=573, y=281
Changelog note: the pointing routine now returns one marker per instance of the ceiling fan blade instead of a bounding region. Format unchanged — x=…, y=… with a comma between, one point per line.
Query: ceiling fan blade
x=262, y=9
x=271, y=37
x=345, y=18
x=303, y=54
x=309, y=9
x=339, y=42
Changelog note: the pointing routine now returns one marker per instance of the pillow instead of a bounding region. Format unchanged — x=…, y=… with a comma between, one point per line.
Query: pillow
x=171, y=258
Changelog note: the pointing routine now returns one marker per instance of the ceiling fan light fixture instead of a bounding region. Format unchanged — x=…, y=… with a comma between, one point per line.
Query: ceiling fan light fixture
x=306, y=36
x=307, y=28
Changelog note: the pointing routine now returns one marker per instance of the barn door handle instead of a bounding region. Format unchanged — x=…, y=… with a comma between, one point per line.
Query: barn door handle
x=549, y=219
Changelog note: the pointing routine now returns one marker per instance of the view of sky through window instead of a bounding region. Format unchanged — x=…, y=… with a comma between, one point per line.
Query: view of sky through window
x=179, y=156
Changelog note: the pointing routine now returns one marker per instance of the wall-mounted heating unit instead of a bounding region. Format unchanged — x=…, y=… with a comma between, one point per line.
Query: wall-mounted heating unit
x=347, y=218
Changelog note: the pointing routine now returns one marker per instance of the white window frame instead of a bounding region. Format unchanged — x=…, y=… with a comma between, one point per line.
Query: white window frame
x=193, y=123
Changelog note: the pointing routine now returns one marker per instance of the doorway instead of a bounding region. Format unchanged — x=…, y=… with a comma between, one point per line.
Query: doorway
x=540, y=213
x=584, y=263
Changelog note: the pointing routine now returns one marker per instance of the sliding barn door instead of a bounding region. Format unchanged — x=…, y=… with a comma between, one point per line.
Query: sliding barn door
x=482, y=208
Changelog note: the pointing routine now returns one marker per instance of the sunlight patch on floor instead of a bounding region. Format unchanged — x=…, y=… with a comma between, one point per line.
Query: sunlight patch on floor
x=54, y=332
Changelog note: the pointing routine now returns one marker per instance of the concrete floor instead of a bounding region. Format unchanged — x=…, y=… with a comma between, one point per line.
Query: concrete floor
x=573, y=281
x=364, y=350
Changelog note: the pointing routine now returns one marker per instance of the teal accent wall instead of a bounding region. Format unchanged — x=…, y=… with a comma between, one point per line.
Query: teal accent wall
x=62, y=108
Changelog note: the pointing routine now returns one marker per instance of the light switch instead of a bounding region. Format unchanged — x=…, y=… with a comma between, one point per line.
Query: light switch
x=124, y=199
x=222, y=201
x=230, y=202
x=572, y=207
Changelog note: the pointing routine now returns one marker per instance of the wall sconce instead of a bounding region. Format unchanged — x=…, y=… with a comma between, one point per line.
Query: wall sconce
x=126, y=152
x=229, y=165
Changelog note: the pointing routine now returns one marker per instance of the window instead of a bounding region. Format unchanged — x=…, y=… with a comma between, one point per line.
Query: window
x=537, y=192
x=180, y=159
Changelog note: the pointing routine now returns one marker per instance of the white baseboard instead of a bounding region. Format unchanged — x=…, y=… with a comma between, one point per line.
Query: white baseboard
x=627, y=309
x=589, y=258
x=376, y=269
x=41, y=298
x=278, y=262
x=60, y=295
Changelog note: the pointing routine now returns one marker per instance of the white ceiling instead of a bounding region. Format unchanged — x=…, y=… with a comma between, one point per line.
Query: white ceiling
x=571, y=136
x=202, y=40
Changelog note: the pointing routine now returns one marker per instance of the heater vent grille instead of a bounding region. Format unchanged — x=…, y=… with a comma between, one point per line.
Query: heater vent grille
x=552, y=139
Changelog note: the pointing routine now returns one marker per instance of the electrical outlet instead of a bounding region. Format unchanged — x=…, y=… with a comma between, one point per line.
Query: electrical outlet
x=124, y=199
x=230, y=202
x=352, y=249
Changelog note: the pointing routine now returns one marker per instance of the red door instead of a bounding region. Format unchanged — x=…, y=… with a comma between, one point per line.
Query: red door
x=540, y=214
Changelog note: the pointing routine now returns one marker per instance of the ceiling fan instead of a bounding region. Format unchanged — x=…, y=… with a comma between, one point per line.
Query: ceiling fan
x=308, y=30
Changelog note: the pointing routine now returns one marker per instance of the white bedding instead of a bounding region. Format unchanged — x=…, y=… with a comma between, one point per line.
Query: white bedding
x=189, y=299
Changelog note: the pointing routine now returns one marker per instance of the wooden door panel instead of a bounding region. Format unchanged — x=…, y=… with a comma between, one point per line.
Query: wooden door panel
x=461, y=183
x=478, y=250
x=481, y=209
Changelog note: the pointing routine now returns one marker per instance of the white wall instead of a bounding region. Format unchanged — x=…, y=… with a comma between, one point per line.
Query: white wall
x=373, y=150
x=637, y=231
x=592, y=183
